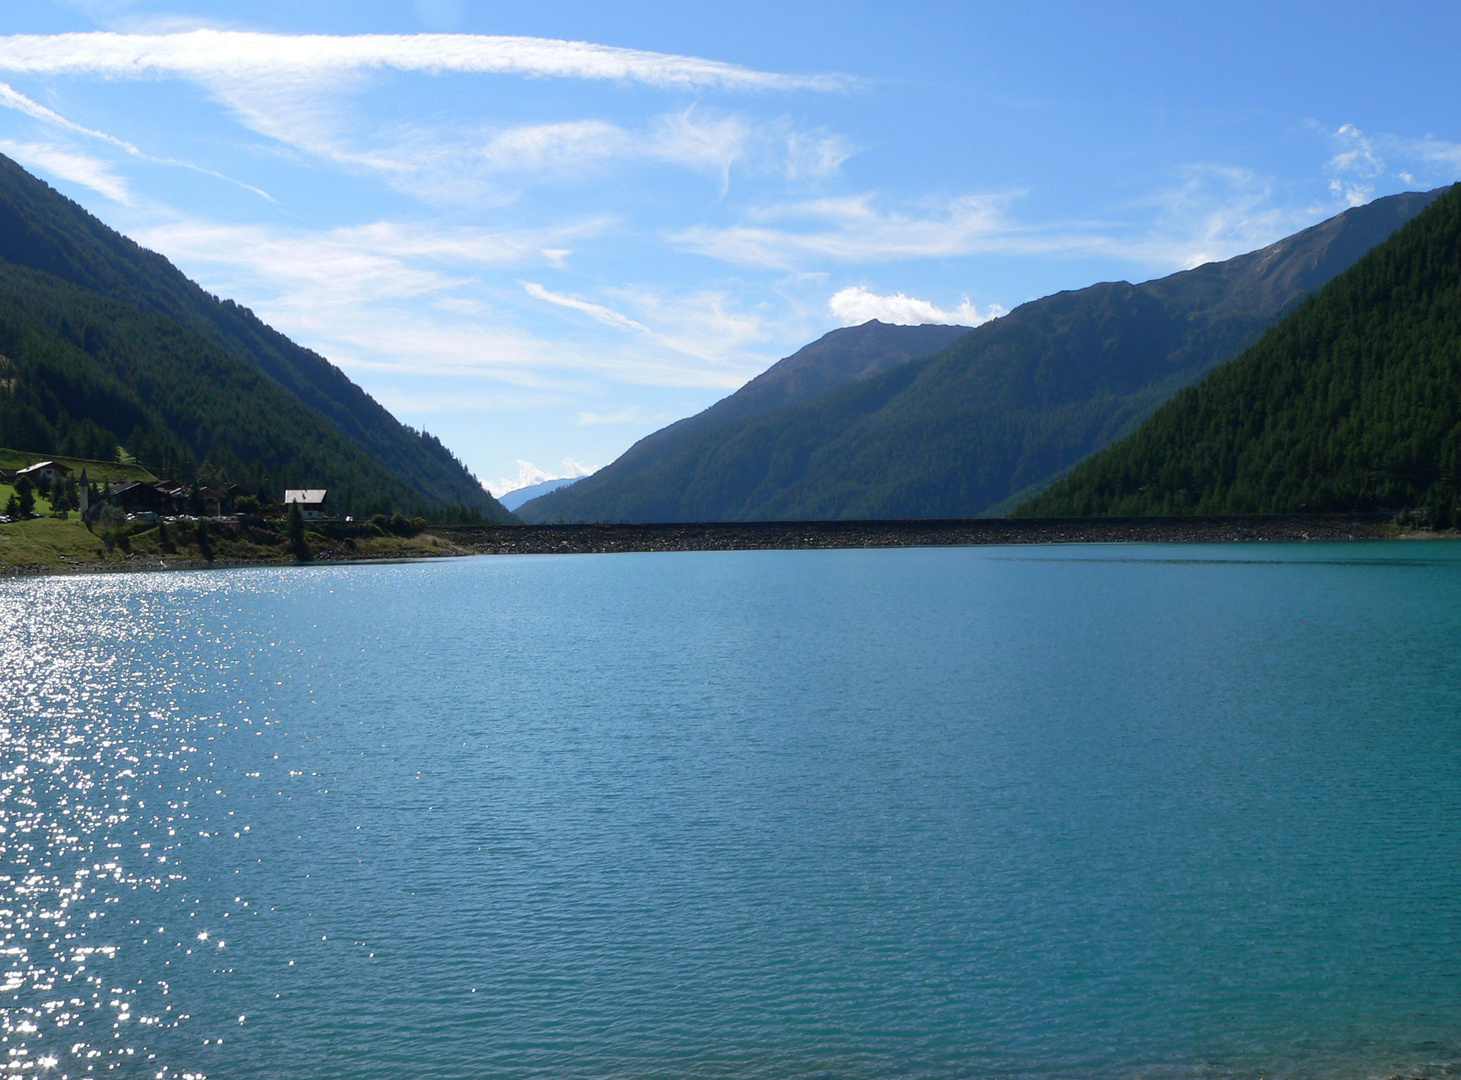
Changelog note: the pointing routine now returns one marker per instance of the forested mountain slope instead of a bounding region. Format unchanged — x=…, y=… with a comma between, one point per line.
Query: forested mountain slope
x=1002, y=410
x=82, y=374
x=836, y=359
x=1351, y=403
x=42, y=230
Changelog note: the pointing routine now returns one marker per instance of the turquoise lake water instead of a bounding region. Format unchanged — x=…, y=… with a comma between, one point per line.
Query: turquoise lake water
x=1080, y=811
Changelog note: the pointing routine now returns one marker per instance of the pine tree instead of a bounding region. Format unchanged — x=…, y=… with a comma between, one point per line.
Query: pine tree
x=296, y=532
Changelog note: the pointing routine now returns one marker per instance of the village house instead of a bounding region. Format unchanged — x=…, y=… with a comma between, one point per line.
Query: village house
x=311, y=501
x=135, y=497
x=212, y=501
x=175, y=493
x=43, y=473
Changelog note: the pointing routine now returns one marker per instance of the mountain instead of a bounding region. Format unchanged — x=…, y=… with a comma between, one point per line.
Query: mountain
x=1351, y=403
x=56, y=240
x=81, y=374
x=513, y=499
x=835, y=359
x=1000, y=412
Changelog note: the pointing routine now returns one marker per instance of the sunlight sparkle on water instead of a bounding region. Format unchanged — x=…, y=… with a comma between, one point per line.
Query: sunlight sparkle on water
x=102, y=759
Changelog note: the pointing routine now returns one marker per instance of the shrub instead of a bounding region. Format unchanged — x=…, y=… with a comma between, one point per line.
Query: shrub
x=113, y=523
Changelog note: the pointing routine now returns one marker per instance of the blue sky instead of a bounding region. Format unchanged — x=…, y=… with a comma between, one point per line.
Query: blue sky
x=542, y=230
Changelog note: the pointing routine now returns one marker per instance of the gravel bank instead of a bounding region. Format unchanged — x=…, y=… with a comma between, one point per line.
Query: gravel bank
x=752, y=536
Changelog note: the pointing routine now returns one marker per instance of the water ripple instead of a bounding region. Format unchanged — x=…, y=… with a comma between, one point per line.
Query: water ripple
x=856, y=814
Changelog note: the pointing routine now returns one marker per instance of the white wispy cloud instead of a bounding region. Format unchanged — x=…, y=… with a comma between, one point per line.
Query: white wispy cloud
x=386, y=296
x=10, y=98
x=70, y=164
x=699, y=139
x=1441, y=154
x=714, y=143
x=208, y=56
x=290, y=89
x=623, y=416
x=548, y=146
x=1355, y=166
x=700, y=326
x=815, y=154
x=695, y=138
x=855, y=305
x=375, y=262
x=408, y=299
x=1208, y=212
x=1212, y=212
x=1363, y=159
x=719, y=323
x=851, y=229
x=293, y=89
x=598, y=312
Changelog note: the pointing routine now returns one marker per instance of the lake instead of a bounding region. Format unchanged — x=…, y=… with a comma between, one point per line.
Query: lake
x=1072, y=811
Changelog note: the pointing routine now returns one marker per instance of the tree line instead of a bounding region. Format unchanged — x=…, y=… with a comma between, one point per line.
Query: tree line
x=1352, y=403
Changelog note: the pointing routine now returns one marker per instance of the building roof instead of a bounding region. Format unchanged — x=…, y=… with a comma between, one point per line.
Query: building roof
x=305, y=496
x=39, y=465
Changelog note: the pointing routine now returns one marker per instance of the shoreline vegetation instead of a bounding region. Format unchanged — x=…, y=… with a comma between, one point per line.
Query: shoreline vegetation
x=50, y=545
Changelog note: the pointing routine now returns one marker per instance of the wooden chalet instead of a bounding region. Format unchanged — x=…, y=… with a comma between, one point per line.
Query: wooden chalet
x=43, y=472
x=135, y=497
x=311, y=502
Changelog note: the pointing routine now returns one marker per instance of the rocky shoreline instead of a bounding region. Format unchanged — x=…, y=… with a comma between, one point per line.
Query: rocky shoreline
x=447, y=542
x=776, y=535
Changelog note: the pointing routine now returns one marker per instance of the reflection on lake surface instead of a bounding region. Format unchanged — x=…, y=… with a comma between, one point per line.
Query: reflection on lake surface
x=1048, y=812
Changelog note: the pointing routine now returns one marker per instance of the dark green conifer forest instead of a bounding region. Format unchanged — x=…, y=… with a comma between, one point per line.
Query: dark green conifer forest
x=106, y=346
x=84, y=376
x=1351, y=403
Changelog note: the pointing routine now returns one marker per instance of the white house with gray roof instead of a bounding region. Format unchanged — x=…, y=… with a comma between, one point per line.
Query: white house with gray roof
x=311, y=501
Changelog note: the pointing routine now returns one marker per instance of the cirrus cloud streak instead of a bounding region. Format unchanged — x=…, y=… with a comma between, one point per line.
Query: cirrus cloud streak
x=206, y=55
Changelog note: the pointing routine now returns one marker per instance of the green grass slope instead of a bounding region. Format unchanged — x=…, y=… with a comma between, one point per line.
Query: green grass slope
x=81, y=374
x=1004, y=409
x=42, y=230
x=1351, y=403
x=97, y=470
